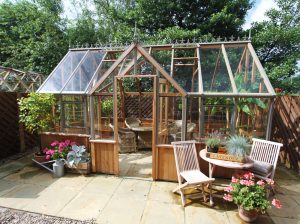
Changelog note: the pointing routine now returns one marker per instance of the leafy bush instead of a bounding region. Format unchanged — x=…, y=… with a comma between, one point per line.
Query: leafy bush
x=36, y=111
x=77, y=155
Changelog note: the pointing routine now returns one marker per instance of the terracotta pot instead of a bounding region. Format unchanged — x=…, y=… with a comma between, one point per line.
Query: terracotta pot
x=248, y=216
x=40, y=158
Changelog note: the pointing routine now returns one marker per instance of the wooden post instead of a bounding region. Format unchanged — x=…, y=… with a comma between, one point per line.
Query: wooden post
x=62, y=114
x=21, y=131
x=85, y=114
x=233, y=117
x=155, y=130
x=201, y=118
x=184, y=118
x=270, y=118
x=92, y=110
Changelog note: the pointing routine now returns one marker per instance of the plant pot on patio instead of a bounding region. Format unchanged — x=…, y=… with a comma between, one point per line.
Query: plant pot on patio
x=247, y=216
x=39, y=157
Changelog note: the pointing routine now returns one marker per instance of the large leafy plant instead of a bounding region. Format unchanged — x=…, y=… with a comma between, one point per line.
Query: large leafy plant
x=36, y=111
x=250, y=194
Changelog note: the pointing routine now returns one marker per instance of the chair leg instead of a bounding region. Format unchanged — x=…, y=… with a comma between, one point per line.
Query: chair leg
x=211, y=202
x=181, y=191
x=203, y=192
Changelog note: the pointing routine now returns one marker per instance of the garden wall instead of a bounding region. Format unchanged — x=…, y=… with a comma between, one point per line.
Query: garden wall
x=13, y=136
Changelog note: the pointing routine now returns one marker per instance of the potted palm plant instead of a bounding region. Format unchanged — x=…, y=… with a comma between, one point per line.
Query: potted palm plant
x=250, y=196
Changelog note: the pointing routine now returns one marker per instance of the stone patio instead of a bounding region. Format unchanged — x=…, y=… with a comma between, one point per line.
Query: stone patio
x=110, y=199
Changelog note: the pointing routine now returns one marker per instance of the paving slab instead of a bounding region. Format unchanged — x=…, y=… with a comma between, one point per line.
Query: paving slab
x=52, y=200
x=278, y=220
x=122, y=210
x=72, y=181
x=160, y=212
x=290, y=208
x=7, y=186
x=133, y=189
x=21, y=196
x=204, y=215
x=85, y=205
x=102, y=184
x=162, y=192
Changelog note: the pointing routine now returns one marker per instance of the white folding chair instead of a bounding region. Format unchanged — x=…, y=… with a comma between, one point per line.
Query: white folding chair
x=265, y=156
x=188, y=171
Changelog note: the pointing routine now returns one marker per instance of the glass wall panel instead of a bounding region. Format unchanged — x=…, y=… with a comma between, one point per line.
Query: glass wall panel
x=169, y=120
x=163, y=57
x=217, y=116
x=215, y=76
x=246, y=75
x=58, y=78
x=84, y=73
x=103, y=117
x=74, y=115
x=252, y=117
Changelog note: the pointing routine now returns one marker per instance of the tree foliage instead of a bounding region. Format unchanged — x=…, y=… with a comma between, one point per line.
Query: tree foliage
x=277, y=42
x=31, y=35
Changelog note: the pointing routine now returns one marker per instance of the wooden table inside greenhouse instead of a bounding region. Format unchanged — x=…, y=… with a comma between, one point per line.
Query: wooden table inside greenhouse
x=143, y=130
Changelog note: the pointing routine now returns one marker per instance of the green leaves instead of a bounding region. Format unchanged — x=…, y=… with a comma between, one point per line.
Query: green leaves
x=36, y=111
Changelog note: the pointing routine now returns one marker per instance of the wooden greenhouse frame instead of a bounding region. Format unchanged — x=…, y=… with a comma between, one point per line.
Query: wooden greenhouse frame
x=171, y=97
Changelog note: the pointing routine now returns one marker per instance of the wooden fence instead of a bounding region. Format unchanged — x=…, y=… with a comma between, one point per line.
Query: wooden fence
x=286, y=129
x=13, y=137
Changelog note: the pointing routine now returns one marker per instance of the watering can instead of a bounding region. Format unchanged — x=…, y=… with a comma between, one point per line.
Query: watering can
x=58, y=166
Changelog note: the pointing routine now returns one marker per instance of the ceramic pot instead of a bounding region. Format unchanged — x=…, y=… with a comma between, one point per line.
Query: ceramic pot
x=212, y=149
x=248, y=216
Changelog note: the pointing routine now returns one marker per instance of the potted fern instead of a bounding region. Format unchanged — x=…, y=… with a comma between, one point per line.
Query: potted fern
x=238, y=146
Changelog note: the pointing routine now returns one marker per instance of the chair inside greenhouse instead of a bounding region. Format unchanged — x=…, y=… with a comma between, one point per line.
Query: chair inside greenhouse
x=162, y=93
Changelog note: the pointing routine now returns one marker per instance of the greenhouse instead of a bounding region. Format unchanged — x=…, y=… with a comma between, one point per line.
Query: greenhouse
x=122, y=99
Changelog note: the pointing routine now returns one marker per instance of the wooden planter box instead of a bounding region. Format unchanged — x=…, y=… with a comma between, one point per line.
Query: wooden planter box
x=226, y=157
x=81, y=168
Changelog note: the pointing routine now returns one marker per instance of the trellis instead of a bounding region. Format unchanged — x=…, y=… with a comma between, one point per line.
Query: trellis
x=13, y=80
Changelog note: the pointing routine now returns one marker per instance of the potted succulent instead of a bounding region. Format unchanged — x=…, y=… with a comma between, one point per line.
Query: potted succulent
x=78, y=160
x=238, y=146
x=250, y=196
x=213, y=144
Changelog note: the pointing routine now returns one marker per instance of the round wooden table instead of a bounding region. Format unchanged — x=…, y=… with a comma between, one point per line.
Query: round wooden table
x=145, y=133
x=223, y=163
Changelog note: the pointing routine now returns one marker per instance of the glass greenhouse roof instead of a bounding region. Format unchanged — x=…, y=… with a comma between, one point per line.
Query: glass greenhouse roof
x=212, y=69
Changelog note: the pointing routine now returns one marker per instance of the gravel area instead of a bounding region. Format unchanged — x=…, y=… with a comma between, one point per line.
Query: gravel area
x=12, y=216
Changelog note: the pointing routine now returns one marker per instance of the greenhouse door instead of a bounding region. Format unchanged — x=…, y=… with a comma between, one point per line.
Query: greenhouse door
x=135, y=123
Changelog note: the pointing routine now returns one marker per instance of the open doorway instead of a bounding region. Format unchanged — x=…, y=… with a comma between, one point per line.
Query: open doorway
x=135, y=125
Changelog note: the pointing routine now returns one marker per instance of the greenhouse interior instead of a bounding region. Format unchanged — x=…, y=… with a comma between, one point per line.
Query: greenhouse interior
x=123, y=99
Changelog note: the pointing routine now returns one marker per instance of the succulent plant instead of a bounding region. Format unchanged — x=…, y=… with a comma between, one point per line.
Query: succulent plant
x=212, y=142
x=238, y=145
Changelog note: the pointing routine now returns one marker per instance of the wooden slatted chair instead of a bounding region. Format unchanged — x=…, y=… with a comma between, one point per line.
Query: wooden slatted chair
x=188, y=171
x=265, y=155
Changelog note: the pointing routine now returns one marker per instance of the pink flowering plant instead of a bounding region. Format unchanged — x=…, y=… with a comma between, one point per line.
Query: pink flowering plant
x=250, y=194
x=58, y=150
